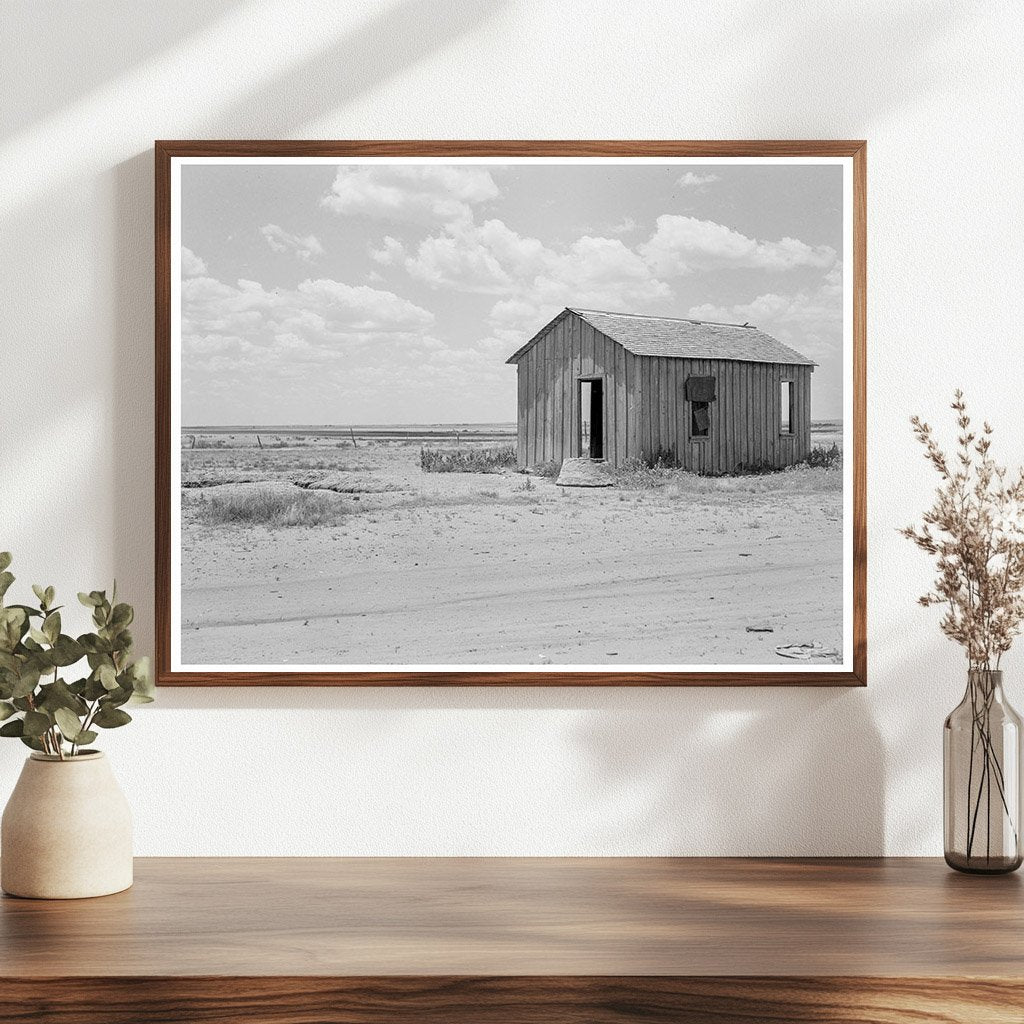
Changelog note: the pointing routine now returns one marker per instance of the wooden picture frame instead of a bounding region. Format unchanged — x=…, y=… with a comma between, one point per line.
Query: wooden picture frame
x=851, y=154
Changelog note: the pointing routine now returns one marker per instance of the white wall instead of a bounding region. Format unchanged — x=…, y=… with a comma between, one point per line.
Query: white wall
x=937, y=90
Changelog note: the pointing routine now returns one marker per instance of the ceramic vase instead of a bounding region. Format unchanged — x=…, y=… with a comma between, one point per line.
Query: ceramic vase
x=66, y=831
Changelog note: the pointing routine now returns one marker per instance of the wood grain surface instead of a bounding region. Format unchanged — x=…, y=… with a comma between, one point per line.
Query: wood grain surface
x=166, y=150
x=505, y=940
x=512, y=1000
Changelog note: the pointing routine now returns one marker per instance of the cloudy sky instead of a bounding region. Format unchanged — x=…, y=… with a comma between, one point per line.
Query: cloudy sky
x=317, y=294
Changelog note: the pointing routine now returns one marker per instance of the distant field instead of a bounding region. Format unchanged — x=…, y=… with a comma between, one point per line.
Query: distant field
x=312, y=545
x=280, y=436
x=827, y=432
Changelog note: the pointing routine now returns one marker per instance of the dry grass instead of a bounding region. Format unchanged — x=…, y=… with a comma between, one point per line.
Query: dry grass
x=677, y=483
x=825, y=456
x=342, y=484
x=467, y=460
x=548, y=470
x=265, y=506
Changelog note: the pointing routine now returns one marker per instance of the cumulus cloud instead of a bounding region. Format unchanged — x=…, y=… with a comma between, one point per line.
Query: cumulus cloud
x=390, y=253
x=683, y=245
x=191, y=264
x=250, y=352
x=534, y=281
x=809, y=320
x=459, y=258
x=624, y=226
x=491, y=258
x=305, y=248
x=320, y=317
x=425, y=193
x=692, y=180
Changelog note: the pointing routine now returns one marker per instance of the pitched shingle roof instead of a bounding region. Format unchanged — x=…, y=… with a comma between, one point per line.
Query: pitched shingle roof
x=686, y=339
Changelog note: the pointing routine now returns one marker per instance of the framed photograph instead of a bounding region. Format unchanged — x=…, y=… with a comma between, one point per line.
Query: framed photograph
x=510, y=413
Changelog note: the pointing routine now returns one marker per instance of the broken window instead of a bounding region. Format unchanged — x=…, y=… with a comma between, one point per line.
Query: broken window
x=786, y=407
x=700, y=419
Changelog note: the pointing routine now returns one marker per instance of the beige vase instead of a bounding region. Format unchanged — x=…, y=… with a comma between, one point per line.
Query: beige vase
x=66, y=831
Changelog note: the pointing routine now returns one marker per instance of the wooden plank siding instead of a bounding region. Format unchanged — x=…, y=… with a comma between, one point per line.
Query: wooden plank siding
x=645, y=410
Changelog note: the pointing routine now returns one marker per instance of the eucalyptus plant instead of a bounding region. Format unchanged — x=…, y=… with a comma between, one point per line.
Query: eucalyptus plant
x=37, y=704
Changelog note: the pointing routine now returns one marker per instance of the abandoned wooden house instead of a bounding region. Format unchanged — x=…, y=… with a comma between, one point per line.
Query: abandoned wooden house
x=712, y=398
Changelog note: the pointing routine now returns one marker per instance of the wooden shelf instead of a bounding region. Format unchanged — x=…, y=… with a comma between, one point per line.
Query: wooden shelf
x=573, y=941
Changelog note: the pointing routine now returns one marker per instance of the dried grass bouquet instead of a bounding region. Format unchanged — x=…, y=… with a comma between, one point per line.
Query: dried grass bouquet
x=975, y=530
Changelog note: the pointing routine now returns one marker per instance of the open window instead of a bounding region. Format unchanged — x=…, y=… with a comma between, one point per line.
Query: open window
x=786, y=407
x=700, y=419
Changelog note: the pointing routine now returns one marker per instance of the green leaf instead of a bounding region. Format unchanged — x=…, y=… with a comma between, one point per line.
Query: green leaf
x=87, y=641
x=13, y=624
x=6, y=579
x=142, y=682
x=93, y=644
x=31, y=741
x=86, y=736
x=94, y=689
x=69, y=724
x=38, y=635
x=89, y=600
x=109, y=718
x=122, y=616
x=51, y=626
x=36, y=723
x=59, y=695
x=66, y=651
x=50, y=594
x=13, y=728
x=27, y=681
x=28, y=610
x=6, y=710
x=5, y=560
x=107, y=676
x=115, y=698
x=40, y=593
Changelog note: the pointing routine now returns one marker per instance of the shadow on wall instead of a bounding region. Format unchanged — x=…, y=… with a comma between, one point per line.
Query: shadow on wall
x=395, y=38
x=40, y=61
x=740, y=771
x=687, y=772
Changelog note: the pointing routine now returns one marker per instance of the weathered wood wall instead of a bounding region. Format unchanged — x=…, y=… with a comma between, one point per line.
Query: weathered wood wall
x=745, y=416
x=645, y=411
x=549, y=415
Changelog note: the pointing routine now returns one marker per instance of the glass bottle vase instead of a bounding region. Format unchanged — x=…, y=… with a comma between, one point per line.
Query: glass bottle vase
x=981, y=772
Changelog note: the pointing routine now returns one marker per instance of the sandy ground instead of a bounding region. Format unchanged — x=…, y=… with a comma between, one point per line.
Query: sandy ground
x=478, y=569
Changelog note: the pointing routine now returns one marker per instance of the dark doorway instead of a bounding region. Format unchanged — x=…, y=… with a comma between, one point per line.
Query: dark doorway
x=592, y=419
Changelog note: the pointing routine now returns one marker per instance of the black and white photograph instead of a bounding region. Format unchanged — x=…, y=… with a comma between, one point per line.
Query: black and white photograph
x=511, y=414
